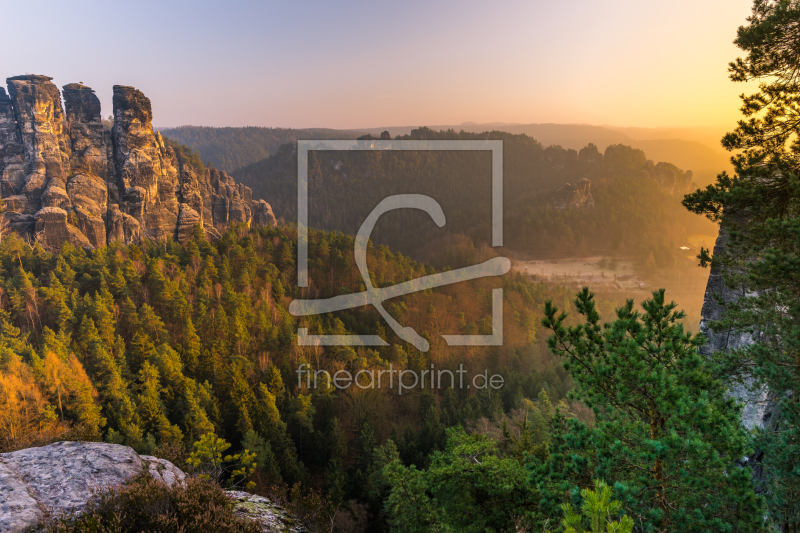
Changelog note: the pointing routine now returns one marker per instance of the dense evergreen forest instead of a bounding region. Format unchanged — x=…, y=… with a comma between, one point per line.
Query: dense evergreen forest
x=609, y=418
x=158, y=346
x=184, y=351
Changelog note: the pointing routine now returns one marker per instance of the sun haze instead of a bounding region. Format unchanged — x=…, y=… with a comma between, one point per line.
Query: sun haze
x=322, y=64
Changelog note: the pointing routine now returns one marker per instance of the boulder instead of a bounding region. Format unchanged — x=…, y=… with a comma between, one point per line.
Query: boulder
x=51, y=226
x=55, y=197
x=262, y=214
x=61, y=478
x=18, y=204
x=89, y=191
x=54, y=229
x=163, y=470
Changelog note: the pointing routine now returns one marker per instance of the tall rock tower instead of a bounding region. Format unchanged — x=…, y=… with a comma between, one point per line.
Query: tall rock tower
x=66, y=177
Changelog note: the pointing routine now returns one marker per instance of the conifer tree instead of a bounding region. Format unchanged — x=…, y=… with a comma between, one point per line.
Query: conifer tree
x=666, y=434
x=275, y=432
x=265, y=459
x=151, y=408
x=336, y=471
x=757, y=208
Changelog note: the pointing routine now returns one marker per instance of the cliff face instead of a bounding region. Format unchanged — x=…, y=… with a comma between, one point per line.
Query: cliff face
x=64, y=176
x=759, y=405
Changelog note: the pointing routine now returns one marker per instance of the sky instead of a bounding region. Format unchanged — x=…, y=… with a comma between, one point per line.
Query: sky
x=371, y=64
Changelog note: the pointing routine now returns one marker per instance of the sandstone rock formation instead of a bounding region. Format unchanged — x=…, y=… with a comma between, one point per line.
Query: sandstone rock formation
x=66, y=177
x=758, y=406
x=757, y=409
x=268, y=514
x=63, y=477
x=670, y=179
x=575, y=196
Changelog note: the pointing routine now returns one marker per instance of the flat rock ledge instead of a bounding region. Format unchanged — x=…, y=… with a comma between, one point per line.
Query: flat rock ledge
x=61, y=478
x=271, y=516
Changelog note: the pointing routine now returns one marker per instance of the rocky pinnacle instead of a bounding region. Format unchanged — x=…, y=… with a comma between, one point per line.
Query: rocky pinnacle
x=66, y=176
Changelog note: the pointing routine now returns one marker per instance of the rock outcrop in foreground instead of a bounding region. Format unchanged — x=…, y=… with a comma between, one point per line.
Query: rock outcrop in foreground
x=67, y=176
x=62, y=477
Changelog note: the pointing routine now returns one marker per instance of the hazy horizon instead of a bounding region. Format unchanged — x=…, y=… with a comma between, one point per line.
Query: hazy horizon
x=351, y=66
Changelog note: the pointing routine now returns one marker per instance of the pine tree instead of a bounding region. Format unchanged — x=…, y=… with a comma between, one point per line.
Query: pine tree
x=336, y=471
x=100, y=364
x=274, y=431
x=468, y=487
x=151, y=408
x=666, y=434
x=196, y=422
x=274, y=383
x=265, y=459
x=758, y=209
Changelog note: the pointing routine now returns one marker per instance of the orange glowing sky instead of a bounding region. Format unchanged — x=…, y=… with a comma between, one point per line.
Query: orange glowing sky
x=370, y=64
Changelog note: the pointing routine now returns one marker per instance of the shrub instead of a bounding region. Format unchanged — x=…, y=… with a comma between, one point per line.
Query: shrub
x=145, y=504
x=310, y=507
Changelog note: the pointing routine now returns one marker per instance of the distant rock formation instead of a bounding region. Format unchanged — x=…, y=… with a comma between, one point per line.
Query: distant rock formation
x=575, y=196
x=669, y=178
x=64, y=176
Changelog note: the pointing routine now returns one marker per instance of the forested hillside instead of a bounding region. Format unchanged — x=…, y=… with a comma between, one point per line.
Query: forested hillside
x=157, y=346
x=231, y=148
x=637, y=208
x=185, y=350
